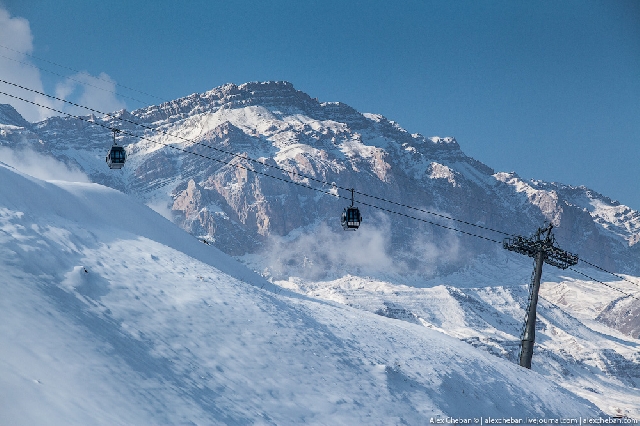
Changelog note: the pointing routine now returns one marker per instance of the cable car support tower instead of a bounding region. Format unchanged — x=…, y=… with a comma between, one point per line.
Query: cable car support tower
x=541, y=246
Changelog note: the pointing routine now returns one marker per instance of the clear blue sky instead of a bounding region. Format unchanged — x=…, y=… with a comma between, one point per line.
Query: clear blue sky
x=549, y=89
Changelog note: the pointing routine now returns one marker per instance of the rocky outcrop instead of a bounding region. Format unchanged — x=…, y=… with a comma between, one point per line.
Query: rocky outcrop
x=623, y=315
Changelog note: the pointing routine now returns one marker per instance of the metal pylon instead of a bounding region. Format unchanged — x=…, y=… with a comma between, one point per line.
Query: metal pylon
x=541, y=246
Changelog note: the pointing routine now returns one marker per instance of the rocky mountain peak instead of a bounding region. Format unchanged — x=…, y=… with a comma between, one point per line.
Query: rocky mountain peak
x=280, y=97
x=9, y=116
x=444, y=141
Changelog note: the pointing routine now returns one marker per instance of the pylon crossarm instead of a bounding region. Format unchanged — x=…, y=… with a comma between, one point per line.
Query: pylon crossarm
x=523, y=245
x=560, y=258
x=553, y=255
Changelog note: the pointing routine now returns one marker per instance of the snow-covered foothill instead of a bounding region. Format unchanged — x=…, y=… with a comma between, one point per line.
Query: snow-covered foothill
x=112, y=315
x=485, y=306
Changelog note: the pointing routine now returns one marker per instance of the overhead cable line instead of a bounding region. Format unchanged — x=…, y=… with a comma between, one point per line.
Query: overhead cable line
x=243, y=167
x=432, y=213
x=243, y=157
x=105, y=126
x=77, y=71
x=428, y=221
x=608, y=272
x=156, y=129
x=611, y=287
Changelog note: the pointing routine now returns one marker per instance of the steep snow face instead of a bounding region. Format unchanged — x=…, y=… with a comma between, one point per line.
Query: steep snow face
x=485, y=305
x=612, y=216
x=622, y=314
x=545, y=199
x=439, y=171
x=113, y=315
x=619, y=219
x=599, y=229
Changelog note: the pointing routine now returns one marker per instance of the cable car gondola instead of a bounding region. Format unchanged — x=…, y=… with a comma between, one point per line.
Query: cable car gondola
x=351, y=217
x=116, y=156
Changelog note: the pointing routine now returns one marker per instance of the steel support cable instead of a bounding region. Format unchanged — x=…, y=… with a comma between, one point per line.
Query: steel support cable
x=609, y=272
x=431, y=222
x=291, y=181
x=431, y=213
x=605, y=256
x=180, y=137
x=164, y=144
x=164, y=132
x=611, y=287
x=77, y=71
x=281, y=169
x=155, y=129
x=245, y=168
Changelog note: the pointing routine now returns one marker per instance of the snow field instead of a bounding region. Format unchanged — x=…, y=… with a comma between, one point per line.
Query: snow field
x=162, y=329
x=573, y=349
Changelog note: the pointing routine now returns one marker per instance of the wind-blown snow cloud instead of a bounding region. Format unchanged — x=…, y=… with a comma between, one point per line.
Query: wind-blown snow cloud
x=40, y=166
x=162, y=208
x=16, y=66
x=325, y=254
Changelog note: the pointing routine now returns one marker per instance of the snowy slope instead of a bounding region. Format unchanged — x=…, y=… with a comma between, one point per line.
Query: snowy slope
x=112, y=315
x=485, y=307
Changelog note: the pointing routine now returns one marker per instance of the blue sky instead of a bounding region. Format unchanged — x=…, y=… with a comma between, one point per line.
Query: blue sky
x=549, y=89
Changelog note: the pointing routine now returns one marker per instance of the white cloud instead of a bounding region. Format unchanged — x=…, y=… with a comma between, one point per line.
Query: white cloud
x=16, y=66
x=15, y=34
x=40, y=166
x=94, y=92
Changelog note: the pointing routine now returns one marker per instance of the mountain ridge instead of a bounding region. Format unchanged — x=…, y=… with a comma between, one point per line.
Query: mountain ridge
x=331, y=142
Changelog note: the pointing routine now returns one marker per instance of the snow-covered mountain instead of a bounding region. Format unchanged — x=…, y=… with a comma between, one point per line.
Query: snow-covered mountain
x=112, y=315
x=242, y=212
x=413, y=273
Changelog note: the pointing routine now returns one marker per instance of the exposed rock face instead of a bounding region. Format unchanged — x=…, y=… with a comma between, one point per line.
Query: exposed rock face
x=266, y=156
x=10, y=117
x=624, y=315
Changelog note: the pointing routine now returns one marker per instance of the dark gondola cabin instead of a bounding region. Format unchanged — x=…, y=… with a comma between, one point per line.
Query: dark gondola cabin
x=116, y=157
x=351, y=218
